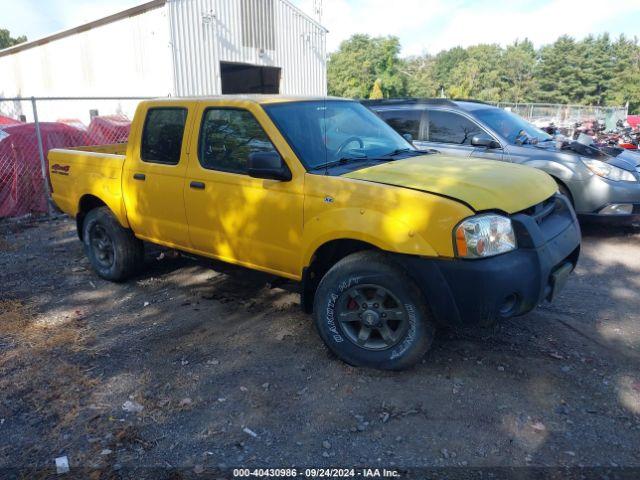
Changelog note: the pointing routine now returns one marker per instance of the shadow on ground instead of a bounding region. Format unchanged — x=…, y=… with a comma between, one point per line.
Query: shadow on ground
x=227, y=371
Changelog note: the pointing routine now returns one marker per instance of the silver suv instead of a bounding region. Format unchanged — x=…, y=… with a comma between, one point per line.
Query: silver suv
x=602, y=185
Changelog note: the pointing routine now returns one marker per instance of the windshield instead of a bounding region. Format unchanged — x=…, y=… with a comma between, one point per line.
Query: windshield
x=326, y=132
x=512, y=127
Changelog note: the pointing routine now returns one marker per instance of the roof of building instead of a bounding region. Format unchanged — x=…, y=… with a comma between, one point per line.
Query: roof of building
x=129, y=12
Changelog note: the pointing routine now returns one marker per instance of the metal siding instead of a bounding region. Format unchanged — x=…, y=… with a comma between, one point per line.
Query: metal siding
x=207, y=32
x=173, y=49
x=127, y=57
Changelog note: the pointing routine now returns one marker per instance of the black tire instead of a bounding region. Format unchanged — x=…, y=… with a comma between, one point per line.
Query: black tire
x=114, y=252
x=361, y=279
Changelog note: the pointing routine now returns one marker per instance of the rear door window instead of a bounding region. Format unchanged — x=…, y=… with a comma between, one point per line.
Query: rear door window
x=449, y=127
x=162, y=135
x=403, y=121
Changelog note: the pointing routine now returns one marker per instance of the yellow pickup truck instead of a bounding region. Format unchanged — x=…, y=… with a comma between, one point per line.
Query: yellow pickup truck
x=387, y=241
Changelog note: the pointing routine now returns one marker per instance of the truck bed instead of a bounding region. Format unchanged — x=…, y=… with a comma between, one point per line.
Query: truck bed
x=113, y=148
x=89, y=170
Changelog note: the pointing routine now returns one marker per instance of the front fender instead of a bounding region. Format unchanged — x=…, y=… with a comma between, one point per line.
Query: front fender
x=382, y=231
x=555, y=169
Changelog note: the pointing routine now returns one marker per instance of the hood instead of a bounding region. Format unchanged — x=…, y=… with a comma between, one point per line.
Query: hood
x=619, y=157
x=627, y=160
x=482, y=184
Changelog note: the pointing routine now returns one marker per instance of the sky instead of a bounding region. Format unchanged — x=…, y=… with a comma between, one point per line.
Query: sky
x=423, y=26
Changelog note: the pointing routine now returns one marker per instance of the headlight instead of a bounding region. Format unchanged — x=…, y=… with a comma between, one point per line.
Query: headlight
x=484, y=236
x=611, y=172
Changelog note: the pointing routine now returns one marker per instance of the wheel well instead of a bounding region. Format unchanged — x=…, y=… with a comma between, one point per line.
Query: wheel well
x=87, y=203
x=325, y=257
x=564, y=185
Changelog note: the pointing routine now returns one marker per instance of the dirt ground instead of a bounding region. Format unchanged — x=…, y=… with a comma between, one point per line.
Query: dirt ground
x=193, y=368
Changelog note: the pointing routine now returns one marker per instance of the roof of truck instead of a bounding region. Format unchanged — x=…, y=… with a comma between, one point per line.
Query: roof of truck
x=262, y=99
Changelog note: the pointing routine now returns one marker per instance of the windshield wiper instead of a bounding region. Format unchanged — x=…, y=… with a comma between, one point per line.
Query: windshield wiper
x=385, y=157
x=342, y=161
x=398, y=151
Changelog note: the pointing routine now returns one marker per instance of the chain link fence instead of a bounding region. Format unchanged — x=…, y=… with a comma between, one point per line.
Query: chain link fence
x=566, y=116
x=30, y=127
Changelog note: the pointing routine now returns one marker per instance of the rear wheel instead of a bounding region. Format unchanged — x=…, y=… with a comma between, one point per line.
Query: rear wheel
x=370, y=313
x=114, y=252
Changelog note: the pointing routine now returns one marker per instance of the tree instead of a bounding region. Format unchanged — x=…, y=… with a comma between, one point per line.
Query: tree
x=360, y=61
x=445, y=62
x=595, y=69
x=518, y=72
x=558, y=71
x=7, y=41
x=592, y=71
x=625, y=82
x=478, y=76
x=376, y=91
x=420, y=77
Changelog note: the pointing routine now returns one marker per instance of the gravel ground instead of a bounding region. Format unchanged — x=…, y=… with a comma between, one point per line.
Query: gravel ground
x=202, y=367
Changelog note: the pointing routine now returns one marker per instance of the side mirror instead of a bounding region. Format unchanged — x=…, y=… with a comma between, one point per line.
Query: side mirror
x=484, y=140
x=408, y=137
x=268, y=165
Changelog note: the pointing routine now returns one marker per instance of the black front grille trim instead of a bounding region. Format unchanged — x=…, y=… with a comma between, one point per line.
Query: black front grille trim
x=542, y=210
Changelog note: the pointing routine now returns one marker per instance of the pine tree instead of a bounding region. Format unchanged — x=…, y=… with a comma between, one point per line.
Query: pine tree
x=558, y=72
x=625, y=81
x=376, y=91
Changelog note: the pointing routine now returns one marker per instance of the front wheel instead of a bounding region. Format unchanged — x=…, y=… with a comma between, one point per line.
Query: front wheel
x=114, y=252
x=370, y=313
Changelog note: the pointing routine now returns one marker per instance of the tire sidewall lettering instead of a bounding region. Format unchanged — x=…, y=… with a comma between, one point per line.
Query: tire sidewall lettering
x=330, y=318
x=330, y=315
x=408, y=340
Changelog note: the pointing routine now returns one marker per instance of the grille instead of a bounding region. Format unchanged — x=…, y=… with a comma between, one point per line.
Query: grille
x=542, y=210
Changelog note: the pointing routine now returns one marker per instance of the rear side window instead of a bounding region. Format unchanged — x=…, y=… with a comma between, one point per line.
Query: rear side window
x=448, y=127
x=403, y=121
x=162, y=135
x=227, y=138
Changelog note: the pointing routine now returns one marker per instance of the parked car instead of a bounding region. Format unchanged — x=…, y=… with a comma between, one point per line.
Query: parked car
x=601, y=185
x=386, y=242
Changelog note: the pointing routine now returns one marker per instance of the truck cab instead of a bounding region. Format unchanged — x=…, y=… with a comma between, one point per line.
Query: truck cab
x=387, y=241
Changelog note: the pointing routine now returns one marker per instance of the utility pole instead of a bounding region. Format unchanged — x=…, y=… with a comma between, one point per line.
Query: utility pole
x=317, y=10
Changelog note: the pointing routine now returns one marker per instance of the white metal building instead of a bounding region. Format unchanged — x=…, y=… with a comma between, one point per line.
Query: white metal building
x=177, y=48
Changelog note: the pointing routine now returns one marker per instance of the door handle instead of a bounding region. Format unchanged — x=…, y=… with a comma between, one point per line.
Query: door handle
x=139, y=176
x=197, y=185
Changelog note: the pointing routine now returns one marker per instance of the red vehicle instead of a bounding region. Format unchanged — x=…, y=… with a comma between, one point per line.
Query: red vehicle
x=21, y=186
x=109, y=129
x=4, y=121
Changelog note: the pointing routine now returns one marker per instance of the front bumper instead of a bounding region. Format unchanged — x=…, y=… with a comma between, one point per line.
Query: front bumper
x=594, y=195
x=618, y=220
x=467, y=292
